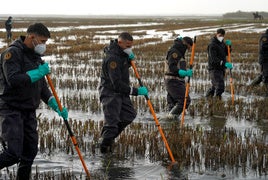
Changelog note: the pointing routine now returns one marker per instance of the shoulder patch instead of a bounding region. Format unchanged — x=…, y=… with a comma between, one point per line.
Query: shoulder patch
x=174, y=55
x=113, y=65
x=264, y=39
x=7, y=56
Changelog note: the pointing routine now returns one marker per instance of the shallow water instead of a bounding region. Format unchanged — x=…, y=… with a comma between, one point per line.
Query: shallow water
x=109, y=167
x=141, y=167
x=136, y=167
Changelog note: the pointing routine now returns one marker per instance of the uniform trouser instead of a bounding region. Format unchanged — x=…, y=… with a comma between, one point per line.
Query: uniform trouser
x=264, y=69
x=9, y=34
x=217, y=80
x=19, y=135
x=118, y=113
x=176, y=93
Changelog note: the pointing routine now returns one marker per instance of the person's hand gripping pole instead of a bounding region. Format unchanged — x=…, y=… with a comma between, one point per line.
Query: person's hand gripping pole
x=68, y=126
x=188, y=83
x=228, y=43
x=153, y=113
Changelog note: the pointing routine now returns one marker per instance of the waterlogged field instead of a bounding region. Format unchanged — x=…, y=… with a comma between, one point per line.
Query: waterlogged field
x=230, y=146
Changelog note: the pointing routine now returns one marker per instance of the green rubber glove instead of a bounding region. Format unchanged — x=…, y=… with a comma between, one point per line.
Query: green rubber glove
x=54, y=105
x=131, y=56
x=39, y=72
x=228, y=42
x=182, y=73
x=228, y=65
x=189, y=73
x=130, y=53
x=64, y=113
x=143, y=91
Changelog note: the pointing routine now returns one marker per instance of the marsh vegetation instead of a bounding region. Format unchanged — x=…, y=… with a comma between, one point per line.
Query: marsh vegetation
x=234, y=145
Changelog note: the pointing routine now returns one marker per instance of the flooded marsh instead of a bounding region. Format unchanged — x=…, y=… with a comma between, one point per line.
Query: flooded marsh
x=232, y=145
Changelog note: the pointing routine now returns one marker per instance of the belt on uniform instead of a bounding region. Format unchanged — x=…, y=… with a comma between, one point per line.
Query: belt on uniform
x=173, y=77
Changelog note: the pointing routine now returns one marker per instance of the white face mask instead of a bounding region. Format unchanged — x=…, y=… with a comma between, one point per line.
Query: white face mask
x=220, y=38
x=128, y=51
x=40, y=49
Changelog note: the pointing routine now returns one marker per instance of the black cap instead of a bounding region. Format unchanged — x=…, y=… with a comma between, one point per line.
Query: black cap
x=188, y=40
x=221, y=31
x=39, y=29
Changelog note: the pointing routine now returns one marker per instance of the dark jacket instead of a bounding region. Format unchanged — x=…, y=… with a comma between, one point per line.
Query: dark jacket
x=263, y=48
x=8, y=24
x=175, y=59
x=217, y=52
x=16, y=88
x=115, y=72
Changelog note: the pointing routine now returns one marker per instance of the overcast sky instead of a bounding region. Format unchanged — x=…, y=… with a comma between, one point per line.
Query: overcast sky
x=130, y=7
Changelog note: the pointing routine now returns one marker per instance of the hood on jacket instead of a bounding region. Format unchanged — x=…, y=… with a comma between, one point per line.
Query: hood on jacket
x=179, y=46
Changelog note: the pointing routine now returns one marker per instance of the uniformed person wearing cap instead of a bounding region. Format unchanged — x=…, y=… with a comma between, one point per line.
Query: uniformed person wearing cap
x=175, y=72
x=115, y=89
x=22, y=86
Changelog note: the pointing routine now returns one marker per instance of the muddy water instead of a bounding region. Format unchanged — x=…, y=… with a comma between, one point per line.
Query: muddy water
x=136, y=167
x=57, y=163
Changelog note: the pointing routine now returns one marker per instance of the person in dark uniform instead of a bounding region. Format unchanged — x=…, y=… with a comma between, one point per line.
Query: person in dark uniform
x=263, y=58
x=263, y=61
x=175, y=72
x=115, y=89
x=22, y=86
x=8, y=25
x=217, y=52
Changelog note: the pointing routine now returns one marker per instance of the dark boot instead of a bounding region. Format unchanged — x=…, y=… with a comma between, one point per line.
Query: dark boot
x=170, y=106
x=266, y=90
x=24, y=170
x=7, y=160
x=106, y=145
x=256, y=81
x=175, y=112
x=210, y=92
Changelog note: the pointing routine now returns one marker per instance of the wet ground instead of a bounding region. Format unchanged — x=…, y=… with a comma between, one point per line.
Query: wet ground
x=56, y=163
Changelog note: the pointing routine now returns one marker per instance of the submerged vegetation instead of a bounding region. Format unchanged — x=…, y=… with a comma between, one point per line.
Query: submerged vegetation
x=75, y=54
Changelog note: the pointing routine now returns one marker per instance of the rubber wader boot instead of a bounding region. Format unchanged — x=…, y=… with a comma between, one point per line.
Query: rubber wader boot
x=106, y=145
x=24, y=172
x=174, y=112
x=210, y=93
x=266, y=90
x=256, y=81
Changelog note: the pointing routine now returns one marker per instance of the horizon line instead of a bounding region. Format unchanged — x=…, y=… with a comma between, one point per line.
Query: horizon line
x=23, y=14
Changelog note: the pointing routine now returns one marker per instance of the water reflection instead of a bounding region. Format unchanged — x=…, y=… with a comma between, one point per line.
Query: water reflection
x=113, y=169
x=263, y=125
x=175, y=172
x=217, y=121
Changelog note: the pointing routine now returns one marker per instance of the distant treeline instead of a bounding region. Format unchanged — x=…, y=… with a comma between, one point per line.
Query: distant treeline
x=244, y=15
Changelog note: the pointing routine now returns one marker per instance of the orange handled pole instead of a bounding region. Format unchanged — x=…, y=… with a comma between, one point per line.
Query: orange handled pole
x=231, y=76
x=188, y=84
x=68, y=127
x=153, y=113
